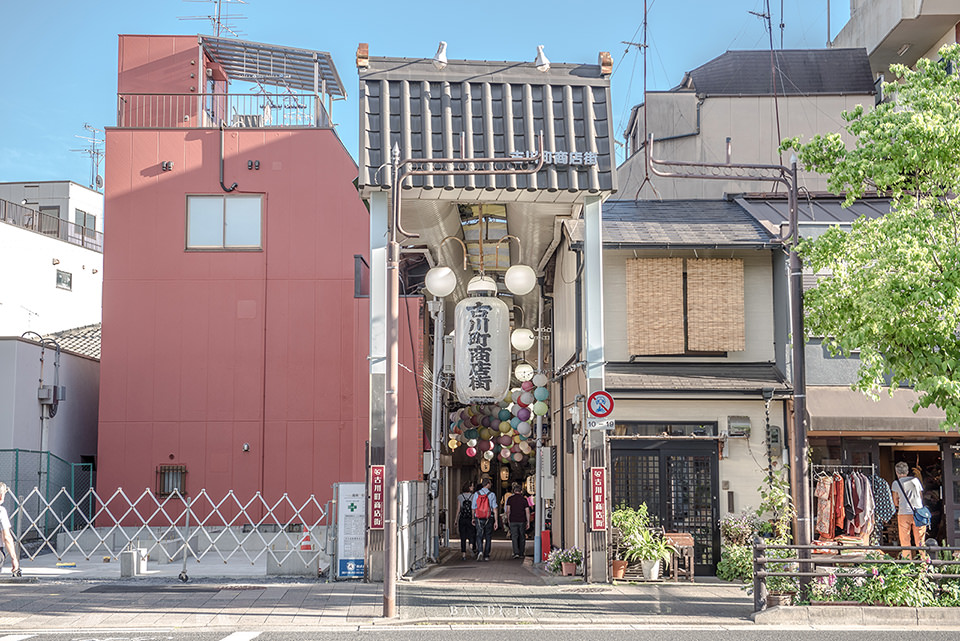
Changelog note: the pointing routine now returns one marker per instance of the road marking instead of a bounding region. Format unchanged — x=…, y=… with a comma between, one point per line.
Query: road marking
x=236, y=636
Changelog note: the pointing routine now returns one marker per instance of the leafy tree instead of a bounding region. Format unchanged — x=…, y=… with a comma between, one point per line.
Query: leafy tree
x=894, y=293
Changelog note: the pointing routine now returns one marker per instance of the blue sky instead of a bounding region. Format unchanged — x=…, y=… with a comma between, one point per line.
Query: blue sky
x=60, y=56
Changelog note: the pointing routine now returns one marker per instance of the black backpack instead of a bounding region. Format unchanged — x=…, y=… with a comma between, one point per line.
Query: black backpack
x=466, y=510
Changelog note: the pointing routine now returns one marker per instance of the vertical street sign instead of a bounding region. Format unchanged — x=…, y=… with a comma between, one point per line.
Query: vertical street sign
x=598, y=498
x=351, y=516
x=376, y=496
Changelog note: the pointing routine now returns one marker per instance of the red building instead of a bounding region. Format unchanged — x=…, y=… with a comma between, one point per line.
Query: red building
x=235, y=326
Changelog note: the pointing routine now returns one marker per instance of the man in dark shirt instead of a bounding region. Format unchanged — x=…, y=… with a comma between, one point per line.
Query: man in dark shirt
x=518, y=515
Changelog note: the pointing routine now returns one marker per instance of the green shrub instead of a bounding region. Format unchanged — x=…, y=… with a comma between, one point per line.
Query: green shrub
x=736, y=563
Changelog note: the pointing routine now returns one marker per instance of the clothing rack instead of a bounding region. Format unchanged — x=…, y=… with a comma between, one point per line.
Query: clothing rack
x=817, y=470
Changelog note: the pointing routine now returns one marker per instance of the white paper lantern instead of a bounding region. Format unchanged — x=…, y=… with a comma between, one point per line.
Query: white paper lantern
x=524, y=372
x=482, y=349
x=540, y=380
x=522, y=339
x=440, y=281
x=520, y=279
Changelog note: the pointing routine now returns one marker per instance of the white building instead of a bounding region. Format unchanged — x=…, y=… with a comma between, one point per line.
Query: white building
x=51, y=251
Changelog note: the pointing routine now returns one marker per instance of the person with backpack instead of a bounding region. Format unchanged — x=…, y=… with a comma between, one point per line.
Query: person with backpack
x=485, y=518
x=465, y=520
x=518, y=516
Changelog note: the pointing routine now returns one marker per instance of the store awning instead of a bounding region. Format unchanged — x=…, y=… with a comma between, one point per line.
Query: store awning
x=841, y=409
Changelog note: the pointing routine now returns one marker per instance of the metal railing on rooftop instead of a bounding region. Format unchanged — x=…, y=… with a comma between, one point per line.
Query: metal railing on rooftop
x=53, y=226
x=167, y=111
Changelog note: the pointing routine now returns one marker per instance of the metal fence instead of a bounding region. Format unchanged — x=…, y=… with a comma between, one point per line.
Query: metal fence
x=172, y=527
x=799, y=565
x=166, y=111
x=48, y=225
x=58, y=484
x=413, y=526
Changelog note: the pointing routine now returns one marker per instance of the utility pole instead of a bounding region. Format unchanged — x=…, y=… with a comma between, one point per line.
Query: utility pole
x=786, y=176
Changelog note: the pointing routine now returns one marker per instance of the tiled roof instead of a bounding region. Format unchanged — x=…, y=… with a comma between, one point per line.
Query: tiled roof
x=825, y=210
x=693, y=223
x=694, y=377
x=80, y=340
x=499, y=108
x=800, y=72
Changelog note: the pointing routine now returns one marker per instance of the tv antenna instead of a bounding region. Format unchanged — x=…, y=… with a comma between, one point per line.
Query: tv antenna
x=95, y=152
x=221, y=18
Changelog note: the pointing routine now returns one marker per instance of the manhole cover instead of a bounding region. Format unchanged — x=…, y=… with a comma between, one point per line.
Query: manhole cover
x=585, y=590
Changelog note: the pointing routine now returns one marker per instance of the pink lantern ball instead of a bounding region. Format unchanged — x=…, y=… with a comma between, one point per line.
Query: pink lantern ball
x=505, y=454
x=505, y=440
x=471, y=452
x=526, y=386
x=523, y=414
x=517, y=456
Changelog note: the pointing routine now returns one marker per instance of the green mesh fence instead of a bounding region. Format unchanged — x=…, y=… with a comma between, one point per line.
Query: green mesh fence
x=24, y=470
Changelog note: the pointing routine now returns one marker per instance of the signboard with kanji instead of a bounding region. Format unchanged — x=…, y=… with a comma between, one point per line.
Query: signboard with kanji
x=350, y=533
x=376, y=496
x=598, y=498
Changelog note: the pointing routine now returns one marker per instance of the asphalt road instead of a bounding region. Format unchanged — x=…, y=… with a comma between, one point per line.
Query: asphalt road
x=513, y=633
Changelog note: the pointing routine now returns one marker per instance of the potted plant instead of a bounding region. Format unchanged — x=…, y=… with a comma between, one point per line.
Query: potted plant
x=640, y=542
x=566, y=562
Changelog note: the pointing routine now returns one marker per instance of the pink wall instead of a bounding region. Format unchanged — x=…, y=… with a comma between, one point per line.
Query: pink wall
x=205, y=351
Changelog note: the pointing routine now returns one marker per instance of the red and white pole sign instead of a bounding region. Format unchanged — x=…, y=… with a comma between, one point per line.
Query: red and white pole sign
x=598, y=498
x=376, y=496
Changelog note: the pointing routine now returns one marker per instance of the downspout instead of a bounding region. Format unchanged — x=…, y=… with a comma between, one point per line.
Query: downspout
x=223, y=186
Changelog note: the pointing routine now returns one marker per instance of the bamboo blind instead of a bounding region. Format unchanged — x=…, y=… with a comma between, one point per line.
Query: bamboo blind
x=715, y=305
x=655, y=305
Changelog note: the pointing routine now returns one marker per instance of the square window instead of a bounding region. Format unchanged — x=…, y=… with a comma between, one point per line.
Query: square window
x=224, y=222
x=170, y=479
x=64, y=280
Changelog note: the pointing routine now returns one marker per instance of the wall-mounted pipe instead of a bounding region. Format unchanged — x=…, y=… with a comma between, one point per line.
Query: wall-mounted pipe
x=223, y=186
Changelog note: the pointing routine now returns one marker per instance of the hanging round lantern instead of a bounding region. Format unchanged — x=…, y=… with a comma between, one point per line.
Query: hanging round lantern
x=541, y=393
x=523, y=372
x=540, y=408
x=524, y=429
x=540, y=380
x=488, y=455
x=527, y=399
x=472, y=442
x=504, y=414
x=523, y=414
x=453, y=444
x=471, y=452
x=522, y=339
x=527, y=386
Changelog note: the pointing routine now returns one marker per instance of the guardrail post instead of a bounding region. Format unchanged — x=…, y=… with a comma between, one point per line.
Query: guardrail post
x=759, y=584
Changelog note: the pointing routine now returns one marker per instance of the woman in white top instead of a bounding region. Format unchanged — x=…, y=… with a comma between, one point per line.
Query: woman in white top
x=908, y=495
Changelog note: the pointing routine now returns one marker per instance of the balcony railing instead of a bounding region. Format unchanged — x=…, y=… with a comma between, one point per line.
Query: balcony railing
x=167, y=111
x=14, y=214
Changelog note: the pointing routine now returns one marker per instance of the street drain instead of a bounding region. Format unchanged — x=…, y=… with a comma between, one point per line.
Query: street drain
x=585, y=590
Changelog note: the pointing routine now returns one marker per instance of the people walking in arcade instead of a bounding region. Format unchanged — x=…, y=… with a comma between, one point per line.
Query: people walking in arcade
x=518, y=515
x=468, y=532
x=485, y=518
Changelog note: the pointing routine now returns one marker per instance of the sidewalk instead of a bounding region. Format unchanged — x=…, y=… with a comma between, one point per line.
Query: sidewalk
x=238, y=596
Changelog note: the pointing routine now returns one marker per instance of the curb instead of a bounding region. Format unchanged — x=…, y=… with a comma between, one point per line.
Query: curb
x=828, y=615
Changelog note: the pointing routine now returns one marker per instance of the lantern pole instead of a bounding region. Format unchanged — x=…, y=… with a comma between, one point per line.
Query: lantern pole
x=460, y=167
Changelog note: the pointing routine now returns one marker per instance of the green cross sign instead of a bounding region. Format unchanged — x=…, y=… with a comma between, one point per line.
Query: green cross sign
x=352, y=507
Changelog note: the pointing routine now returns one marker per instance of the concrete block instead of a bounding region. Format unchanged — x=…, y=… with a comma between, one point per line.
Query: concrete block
x=830, y=614
x=781, y=615
x=933, y=617
x=133, y=562
x=884, y=615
